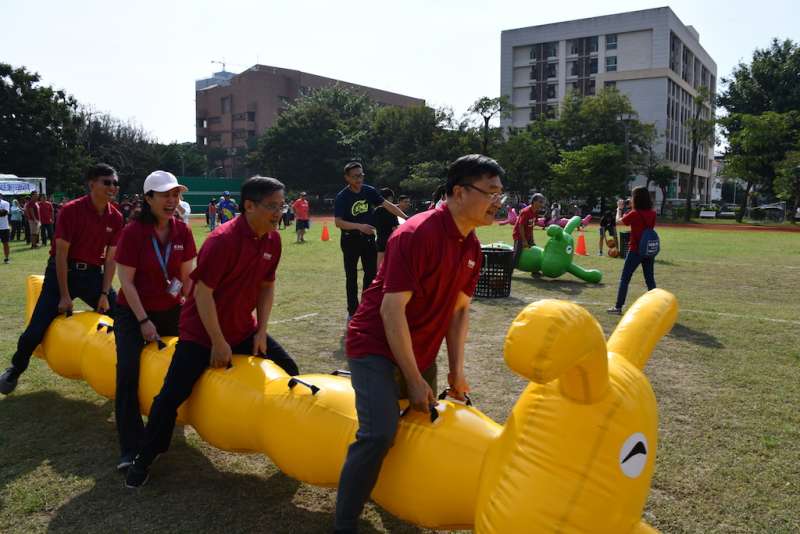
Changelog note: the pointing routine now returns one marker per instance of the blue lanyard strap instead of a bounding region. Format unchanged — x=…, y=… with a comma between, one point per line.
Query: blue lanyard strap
x=162, y=260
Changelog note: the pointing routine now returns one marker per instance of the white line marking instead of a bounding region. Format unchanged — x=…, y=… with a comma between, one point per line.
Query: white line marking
x=298, y=318
x=733, y=264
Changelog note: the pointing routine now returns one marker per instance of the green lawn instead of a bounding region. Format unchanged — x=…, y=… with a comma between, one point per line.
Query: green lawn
x=727, y=380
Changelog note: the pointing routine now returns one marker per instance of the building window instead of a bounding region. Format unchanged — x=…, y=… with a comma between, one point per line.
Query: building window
x=226, y=103
x=551, y=49
x=534, y=55
x=611, y=63
x=592, y=44
x=202, y=140
x=201, y=123
x=533, y=73
x=552, y=70
x=213, y=120
x=534, y=94
x=533, y=115
x=551, y=90
x=251, y=133
x=572, y=47
x=611, y=41
x=575, y=87
x=251, y=116
x=572, y=68
x=590, y=88
x=593, y=66
x=550, y=112
x=610, y=85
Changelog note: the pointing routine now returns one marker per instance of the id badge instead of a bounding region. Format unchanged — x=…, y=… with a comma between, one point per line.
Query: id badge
x=174, y=287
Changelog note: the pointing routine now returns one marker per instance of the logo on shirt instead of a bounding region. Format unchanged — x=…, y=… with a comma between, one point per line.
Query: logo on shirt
x=359, y=207
x=178, y=247
x=109, y=229
x=471, y=264
x=267, y=256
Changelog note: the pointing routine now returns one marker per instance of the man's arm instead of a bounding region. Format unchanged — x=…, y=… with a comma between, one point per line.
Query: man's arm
x=62, y=253
x=266, y=296
x=394, y=210
x=347, y=225
x=395, y=324
x=109, y=269
x=456, y=338
x=207, y=309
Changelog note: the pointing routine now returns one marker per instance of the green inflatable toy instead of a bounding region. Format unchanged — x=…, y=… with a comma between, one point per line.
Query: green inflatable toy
x=556, y=258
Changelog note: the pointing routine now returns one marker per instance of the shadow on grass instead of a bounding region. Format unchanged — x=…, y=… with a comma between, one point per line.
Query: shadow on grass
x=186, y=493
x=561, y=286
x=696, y=337
x=666, y=262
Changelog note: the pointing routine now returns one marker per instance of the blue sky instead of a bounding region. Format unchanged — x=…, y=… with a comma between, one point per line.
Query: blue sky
x=139, y=60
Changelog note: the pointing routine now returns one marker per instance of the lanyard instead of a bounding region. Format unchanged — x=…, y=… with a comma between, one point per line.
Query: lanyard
x=162, y=260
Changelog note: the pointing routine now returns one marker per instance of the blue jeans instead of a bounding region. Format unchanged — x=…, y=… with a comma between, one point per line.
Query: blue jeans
x=632, y=261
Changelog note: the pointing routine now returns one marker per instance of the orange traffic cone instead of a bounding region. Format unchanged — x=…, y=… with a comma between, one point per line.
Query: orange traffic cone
x=580, y=250
x=326, y=235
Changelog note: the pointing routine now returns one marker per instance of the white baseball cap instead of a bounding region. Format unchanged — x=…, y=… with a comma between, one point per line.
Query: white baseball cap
x=161, y=182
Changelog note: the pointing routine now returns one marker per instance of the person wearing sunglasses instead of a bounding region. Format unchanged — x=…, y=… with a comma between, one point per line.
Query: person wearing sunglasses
x=81, y=265
x=420, y=297
x=235, y=275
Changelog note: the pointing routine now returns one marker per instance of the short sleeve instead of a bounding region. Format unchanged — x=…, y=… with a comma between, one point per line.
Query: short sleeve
x=627, y=218
x=401, y=272
x=129, y=246
x=212, y=261
x=340, y=206
x=374, y=197
x=269, y=276
x=115, y=235
x=472, y=282
x=189, y=247
x=65, y=226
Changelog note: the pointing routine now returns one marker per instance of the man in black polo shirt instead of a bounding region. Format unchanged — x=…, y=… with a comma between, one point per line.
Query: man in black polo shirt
x=353, y=212
x=81, y=265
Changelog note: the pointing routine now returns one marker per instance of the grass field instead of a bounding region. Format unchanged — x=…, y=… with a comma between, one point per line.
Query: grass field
x=727, y=380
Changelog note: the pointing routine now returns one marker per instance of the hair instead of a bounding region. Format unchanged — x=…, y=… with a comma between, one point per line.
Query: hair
x=352, y=165
x=537, y=196
x=145, y=215
x=403, y=197
x=387, y=193
x=469, y=169
x=101, y=169
x=641, y=198
x=438, y=193
x=257, y=187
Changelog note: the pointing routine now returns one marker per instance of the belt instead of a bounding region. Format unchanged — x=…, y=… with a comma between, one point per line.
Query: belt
x=82, y=266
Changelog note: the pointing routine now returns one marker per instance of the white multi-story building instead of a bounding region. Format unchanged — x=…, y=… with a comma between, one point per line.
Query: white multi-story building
x=649, y=55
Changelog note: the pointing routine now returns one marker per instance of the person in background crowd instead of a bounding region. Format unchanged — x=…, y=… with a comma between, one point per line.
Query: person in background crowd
x=608, y=225
x=34, y=222
x=523, y=228
x=301, y=209
x=438, y=197
x=227, y=208
x=47, y=218
x=5, y=226
x=385, y=223
x=126, y=206
x=16, y=221
x=154, y=257
x=81, y=265
x=184, y=210
x=555, y=213
x=211, y=214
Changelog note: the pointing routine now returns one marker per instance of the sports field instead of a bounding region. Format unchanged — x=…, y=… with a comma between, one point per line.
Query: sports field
x=727, y=381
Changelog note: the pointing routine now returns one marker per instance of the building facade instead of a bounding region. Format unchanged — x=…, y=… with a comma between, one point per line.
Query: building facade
x=649, y=55
x=233, y=111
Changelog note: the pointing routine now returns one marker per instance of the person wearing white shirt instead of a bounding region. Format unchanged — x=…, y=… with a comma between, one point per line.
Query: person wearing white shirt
x=184, y=210
x=5, y=227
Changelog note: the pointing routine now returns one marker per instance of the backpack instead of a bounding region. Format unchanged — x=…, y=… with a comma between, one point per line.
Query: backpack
x=649, y=243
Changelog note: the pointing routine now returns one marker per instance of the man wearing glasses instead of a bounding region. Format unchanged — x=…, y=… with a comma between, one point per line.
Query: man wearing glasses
x=420, y=296
x=81, y=265
x=235, y=274
x=353, y=214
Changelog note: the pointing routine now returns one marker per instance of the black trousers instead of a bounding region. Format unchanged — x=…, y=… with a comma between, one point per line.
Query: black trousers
x=16, y=230
x=130, y=343
x=85, y=285
x=47, y=233
x=188, y=364
x=355, y=246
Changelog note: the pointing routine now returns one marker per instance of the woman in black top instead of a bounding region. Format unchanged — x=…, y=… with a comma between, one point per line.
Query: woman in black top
x=385, y=223
x=607, y=224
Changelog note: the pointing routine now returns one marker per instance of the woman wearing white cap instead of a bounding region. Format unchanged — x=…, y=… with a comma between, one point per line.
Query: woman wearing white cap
x=155, y=256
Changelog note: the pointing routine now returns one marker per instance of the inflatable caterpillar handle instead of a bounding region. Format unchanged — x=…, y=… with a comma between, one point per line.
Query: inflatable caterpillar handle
x=576, y=454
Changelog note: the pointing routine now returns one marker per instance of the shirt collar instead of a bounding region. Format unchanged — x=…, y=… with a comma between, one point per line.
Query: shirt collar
x=449, y=223
x=87, y=201
x=245, y=231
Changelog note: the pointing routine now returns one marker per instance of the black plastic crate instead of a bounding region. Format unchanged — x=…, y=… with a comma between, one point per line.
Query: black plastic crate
x=496, y=270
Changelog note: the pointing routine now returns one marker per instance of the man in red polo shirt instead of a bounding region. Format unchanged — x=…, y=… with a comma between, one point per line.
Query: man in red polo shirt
x=32, y=215
x=523, y=228
x=81, y=265
x=46, y=218
x=235, y=274
x=300, y=207
x=420, y=296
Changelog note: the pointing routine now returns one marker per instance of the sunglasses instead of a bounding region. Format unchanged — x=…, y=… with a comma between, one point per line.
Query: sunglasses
x=109, y=183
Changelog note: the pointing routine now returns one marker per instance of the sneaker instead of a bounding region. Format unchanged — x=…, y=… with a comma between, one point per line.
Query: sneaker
x=125, y=461
x=6, y=260
x=8, y=381
x=614, y=311
x=137, y=476
x=600, y=253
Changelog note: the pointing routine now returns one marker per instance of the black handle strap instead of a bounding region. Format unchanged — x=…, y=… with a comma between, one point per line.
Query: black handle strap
x=109, y=328
x=68, y=313
x=340, y=372
x=434, y=414
x=161, y=344
x=444, y=393
x=294, y=381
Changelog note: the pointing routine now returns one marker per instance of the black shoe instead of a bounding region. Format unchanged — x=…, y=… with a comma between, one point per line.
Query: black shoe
x=8, y=381
x=137, y=476
x=125, y=461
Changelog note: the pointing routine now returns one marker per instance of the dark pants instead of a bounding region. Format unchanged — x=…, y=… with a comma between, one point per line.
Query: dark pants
x=632, y=261
x=85, y=285
x=16, y=230
x=355, y=246
x=26, y=228
x=47, y=233
x=130, y=343
x=378, y=387
x=189, y=362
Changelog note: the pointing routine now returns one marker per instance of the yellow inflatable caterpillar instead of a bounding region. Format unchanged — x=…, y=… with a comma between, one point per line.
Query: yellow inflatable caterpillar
x=576, y=454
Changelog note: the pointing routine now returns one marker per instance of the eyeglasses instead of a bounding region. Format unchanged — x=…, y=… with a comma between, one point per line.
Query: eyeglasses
x=494, y=198
x=271, y=207
x=109, y=183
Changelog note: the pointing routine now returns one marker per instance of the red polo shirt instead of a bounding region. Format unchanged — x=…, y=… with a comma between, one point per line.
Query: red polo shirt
x=429, y=257
x=638, y=220
x=523, y=228
x=31, y=211
x=233, y=261
x=135, y=249
x=46, y=212
x=300, y=207
x=87, y=232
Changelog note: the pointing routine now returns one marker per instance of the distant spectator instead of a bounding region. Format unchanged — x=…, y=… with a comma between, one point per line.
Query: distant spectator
x=438, y=197
x=211, y=214
x=523, y=228
x=227, y=208
x=608, y=225
x=16, y=221
x=32, y=215
x=47, y=218
x=301, y=210
x=5, y=225
x=385, y=223
x=184, y=209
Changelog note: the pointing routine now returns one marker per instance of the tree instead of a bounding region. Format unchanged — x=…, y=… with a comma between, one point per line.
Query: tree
x=787, y=181
x=590, y=173
x=526, y=158
x=661, y=176
x=701, y=132
x=487, y=108
x=758, y=147
x=425, y=177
